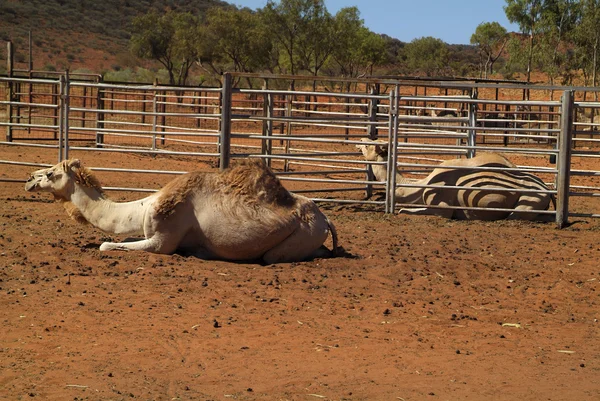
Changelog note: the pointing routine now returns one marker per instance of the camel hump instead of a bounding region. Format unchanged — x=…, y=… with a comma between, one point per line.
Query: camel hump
x=249, y=182
x=481, y=160
x=253, y=181
x=494, y=158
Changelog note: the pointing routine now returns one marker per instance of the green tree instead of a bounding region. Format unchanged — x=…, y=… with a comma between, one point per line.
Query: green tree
x=288, y=20
x=347, y=26
x=586, y=36
x=169, y=38
x=373, y=50
x=490, y=38
x=356, y=49
x=316, y=42
x=558, y=24
x=427, y=55
x=233, y=39
x=528, y=15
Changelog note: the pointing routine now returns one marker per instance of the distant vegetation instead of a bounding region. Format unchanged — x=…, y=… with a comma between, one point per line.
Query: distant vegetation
x=194, y=41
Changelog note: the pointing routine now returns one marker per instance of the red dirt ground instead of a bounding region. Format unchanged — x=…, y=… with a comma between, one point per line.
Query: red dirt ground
x=417, y=308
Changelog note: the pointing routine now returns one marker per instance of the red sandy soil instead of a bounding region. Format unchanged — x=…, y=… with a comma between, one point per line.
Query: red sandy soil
x=416, y=308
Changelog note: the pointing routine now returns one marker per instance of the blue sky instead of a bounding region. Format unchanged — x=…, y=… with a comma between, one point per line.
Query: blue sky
x=453, y=21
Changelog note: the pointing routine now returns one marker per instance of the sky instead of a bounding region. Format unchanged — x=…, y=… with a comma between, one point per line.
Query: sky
x=452, y=21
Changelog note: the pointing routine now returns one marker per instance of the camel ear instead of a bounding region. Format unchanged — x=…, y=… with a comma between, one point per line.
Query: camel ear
x=381, y=150
x=74, y=163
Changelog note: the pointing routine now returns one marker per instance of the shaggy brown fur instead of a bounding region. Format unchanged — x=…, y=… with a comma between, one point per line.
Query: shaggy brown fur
x=83, y=176
x=176, y=191
x=74, y=212
x=250, y=182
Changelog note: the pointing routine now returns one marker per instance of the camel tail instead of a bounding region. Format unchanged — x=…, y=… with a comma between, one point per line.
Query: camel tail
x=334, y=237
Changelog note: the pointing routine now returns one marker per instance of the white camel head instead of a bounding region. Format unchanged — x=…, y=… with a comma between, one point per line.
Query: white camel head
x=371, y=152
x=59, y=179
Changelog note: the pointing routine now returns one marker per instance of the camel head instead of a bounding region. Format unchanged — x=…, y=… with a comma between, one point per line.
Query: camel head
x=58, y=180
x=373, y=152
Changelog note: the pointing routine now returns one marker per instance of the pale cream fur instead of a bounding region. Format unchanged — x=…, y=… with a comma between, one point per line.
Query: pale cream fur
x=471, y=180
x=242, y=213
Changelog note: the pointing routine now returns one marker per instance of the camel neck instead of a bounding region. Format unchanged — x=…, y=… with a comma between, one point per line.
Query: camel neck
x=403, y=194
x=108, y=216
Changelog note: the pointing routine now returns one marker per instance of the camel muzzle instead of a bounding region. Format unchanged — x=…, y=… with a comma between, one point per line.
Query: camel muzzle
x=31, y=184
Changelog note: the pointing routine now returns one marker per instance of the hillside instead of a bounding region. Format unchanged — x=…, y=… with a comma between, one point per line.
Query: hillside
x=78, y=34
x=93, y=36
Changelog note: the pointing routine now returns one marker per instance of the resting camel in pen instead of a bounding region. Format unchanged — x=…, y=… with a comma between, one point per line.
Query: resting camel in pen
x=241, y=213
x=469, y=196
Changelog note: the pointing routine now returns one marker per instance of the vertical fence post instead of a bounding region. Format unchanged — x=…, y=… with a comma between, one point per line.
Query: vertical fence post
x=267, y=143
x=61, y=116
x=66, y=113
x=162, y=103
x=289, y=100
x=56, y=113
x=9, y=90
x=154, y=119
x=99, y=117
x=372, y=132
x=373, y=107
x=84, y=101
x=472, y=132
x=392, y=164
x=564, y=159
x=225, y=137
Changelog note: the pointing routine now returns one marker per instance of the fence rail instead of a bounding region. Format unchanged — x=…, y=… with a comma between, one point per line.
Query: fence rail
x=309, y=136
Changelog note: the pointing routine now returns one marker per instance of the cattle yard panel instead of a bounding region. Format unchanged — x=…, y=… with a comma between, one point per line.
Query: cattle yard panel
x=307, y=136
x=584, y=189
x=310, y=138
x=30, y=108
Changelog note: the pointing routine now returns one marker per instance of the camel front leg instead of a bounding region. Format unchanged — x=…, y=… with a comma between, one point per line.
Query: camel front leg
x=156, y=244
x=415, y=210
x=423, y=211
x=162, y=235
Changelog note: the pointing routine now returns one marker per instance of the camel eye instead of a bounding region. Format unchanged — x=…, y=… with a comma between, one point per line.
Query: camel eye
x=49, y=174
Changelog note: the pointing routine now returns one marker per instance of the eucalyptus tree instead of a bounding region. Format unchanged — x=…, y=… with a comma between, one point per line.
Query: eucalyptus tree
x=348, y=28
x=235, y=40
x=528, y=15
x=491, y=39
x=559, y=20
x=586, y=36
x=357, y=50
x=373, y=50
x=316, y=43
x=288, y=21
x=168, y=38
x=428, y=55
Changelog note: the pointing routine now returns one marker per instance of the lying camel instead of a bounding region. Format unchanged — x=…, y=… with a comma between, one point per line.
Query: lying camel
x=471, y=180
x=241, y=213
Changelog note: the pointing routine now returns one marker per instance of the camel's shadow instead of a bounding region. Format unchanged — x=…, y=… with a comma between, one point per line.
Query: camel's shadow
x=321, y=253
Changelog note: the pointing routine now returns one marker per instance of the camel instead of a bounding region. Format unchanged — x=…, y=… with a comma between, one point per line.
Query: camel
x=469, y=195
x=241, y=213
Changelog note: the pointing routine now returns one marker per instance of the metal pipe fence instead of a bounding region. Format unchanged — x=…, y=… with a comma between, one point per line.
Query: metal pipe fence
x=309, y=137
